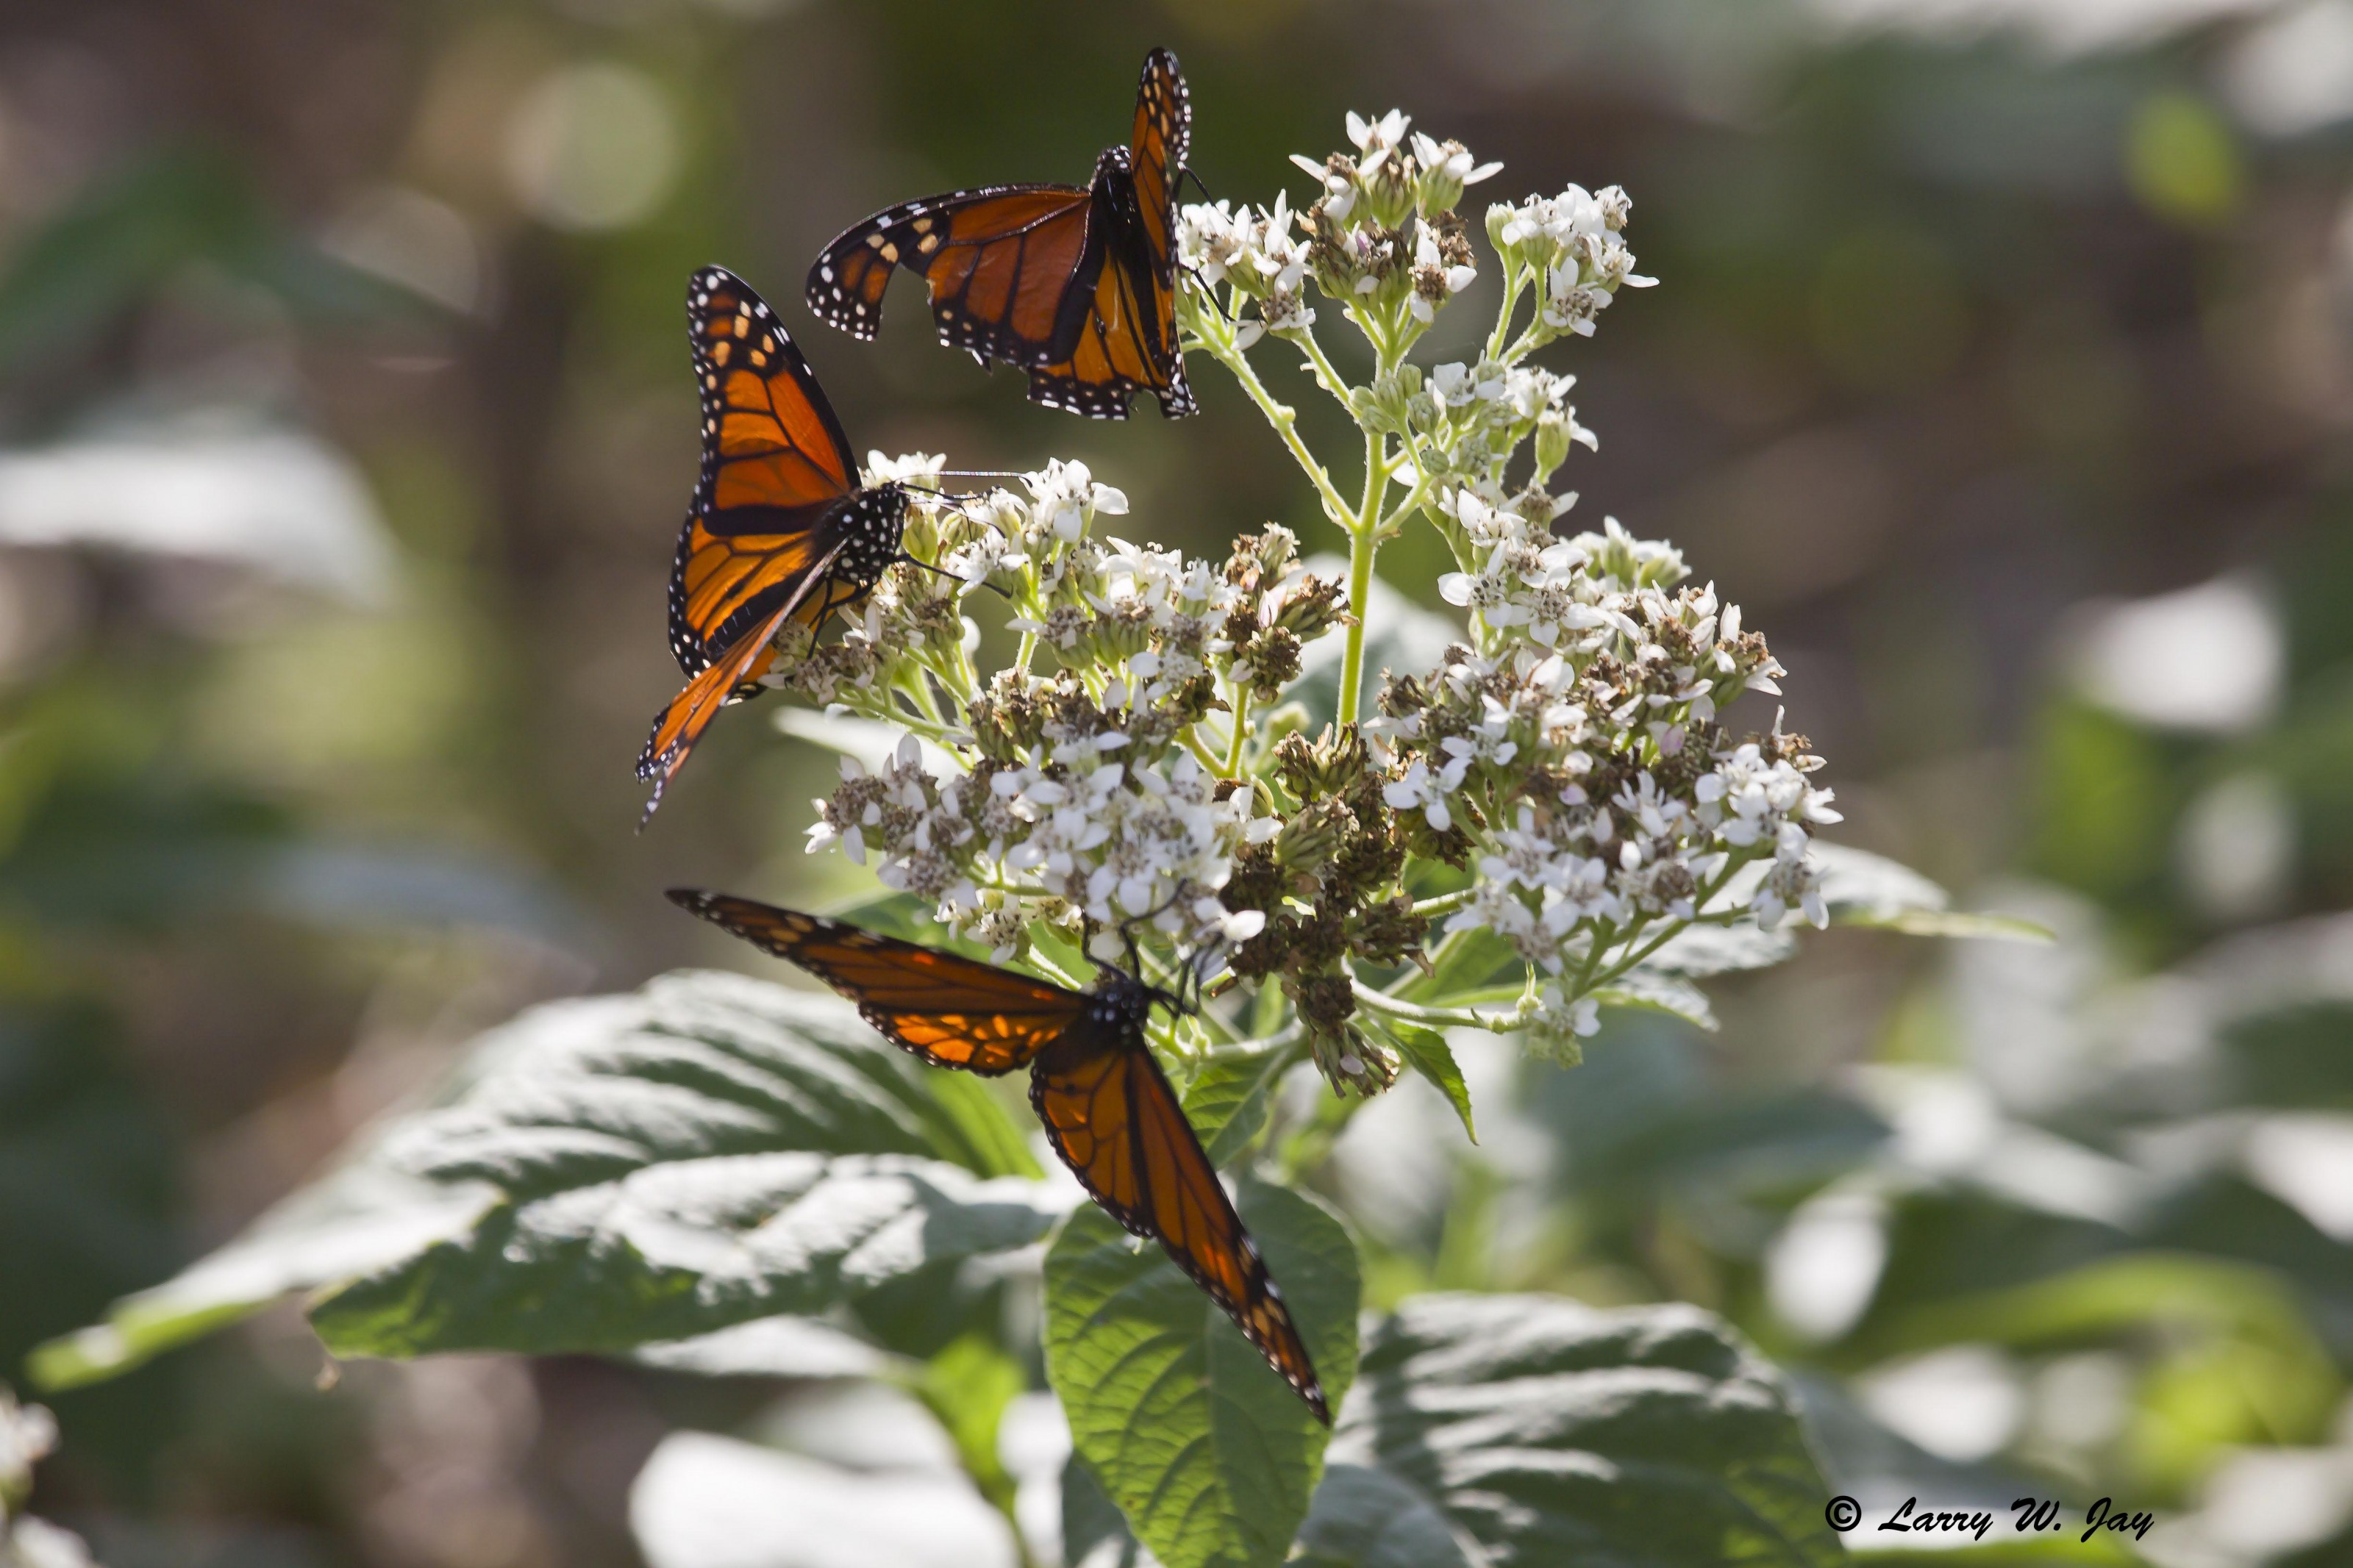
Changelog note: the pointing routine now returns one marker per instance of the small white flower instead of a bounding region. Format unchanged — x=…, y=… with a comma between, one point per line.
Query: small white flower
x=1419, y=788
x=1376, y=139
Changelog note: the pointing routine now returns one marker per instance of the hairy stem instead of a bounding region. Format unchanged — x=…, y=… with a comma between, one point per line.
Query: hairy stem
x=1285, y=420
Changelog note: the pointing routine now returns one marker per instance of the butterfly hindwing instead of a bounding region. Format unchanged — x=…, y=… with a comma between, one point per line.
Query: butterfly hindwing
x=1074, y=284
x=946, y=1009
x=1112, y=1117
x=996, y=262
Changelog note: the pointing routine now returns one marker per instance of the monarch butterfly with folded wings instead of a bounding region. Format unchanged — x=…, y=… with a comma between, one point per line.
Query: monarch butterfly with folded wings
x=1076, y=284
x=1107, y=1107
x=780, y=533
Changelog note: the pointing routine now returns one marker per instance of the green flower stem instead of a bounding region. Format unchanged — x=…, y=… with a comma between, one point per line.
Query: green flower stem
x=1327, y=375
x=1445, y=904
x=1515, y=279
x=1435, y=1017
x=1201, y=753
x=1266, y=1045
x=1241, y=732
x=1362, y=545
x=1285, y=420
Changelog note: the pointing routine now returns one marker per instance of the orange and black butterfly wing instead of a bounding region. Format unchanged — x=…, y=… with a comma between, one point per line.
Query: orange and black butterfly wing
x=1113, y=358
x=950, y=1011
x=682, y=721
x=1126, y=339
x=776, y=469
x=1000, y=263
x=1116, y=1121
x=1157, y=152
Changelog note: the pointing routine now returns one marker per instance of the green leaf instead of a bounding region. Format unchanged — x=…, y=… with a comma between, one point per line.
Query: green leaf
x=1658, y=993
x=1209, y=1454
x=1697, y=951
x=967, y=1387
x=703, y=1500
x=668, y=1251
x=770, y=1347
x=624, y=1144
x=1426, y=1052
x=1520, y=1431
x=360, y=1218
x=1095, y=1533
x=1229, y=1099
x=1866, y=890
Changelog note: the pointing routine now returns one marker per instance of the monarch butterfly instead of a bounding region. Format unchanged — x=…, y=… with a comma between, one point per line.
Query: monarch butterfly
x=779, y=530
x=1107, y=1107
x=1075, y=284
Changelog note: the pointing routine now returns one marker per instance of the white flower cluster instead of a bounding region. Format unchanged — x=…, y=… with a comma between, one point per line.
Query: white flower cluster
x=1381, y=234
x=1139, y=767
x=1067, y=830
x=1082, y=797
x=1525, y=582
x=28, y=1433
x=1464, y=423
x=1571, y=246
x=1573, y=756
x=1255, y=253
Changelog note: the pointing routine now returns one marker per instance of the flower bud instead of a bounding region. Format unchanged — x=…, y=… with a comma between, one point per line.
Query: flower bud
x=1499, y=218
x=1555, y=432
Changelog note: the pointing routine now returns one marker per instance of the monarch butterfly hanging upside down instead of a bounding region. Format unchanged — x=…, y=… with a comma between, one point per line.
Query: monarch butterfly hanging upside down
x=1076, y=284
x=780, y=534
x=1107, y=1108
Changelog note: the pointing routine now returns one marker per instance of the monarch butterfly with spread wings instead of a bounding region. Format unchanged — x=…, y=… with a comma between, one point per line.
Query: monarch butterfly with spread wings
x=780, y=533
x=1076, y=284
x=1107, y=1107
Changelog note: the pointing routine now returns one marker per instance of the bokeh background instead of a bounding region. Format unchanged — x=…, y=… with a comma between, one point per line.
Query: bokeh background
x=2002, y=369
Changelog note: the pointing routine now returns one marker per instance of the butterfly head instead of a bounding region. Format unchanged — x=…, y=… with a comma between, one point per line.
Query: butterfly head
x=1123, y=1002
x=1115, y=173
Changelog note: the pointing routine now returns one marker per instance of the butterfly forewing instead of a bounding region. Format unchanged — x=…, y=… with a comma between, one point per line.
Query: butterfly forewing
x=1112, y=1116
x=780, y=534
x=776, y=466
x=1156, y=154
x=948, y=1010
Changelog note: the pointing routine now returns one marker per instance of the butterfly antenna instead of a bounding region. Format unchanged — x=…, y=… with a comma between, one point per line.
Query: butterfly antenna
x=1209, y=292
x=1199, y=184
x=1136, y=954
x=943, y=572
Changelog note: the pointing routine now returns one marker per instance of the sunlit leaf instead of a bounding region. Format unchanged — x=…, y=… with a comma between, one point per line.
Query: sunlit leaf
x=1699, y=951
x=1229, y=1099
x=1528, y=1431
x=617, y=1171
x=1866, y=890
x=1428, y=1054
x=1207, y=1452
x=703, y=1500
x=1658, y=992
